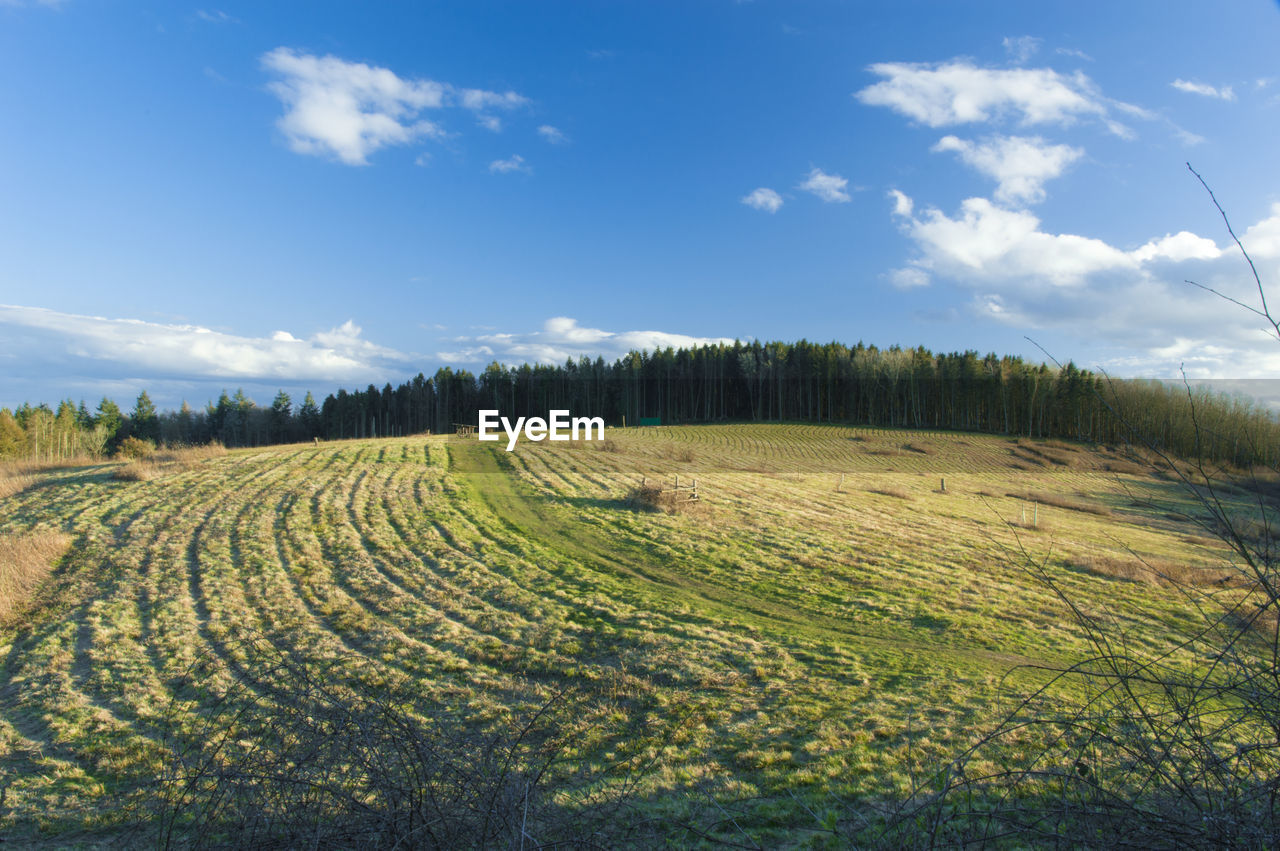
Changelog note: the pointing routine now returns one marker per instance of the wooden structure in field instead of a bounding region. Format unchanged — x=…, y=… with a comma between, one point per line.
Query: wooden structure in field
x=464, y=429
x=680, y=493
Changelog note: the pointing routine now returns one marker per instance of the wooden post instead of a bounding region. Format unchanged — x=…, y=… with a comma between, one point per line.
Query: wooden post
x=840, y=487
x=1035, y=517
x=624, y=420
x=695, y=489
x=944, y=485
x=677, y=484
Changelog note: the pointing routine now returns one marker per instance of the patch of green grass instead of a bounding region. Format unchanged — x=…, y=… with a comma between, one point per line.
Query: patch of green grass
x=822, y=638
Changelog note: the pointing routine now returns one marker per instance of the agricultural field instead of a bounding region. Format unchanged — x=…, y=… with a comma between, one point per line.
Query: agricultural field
x=825, y=624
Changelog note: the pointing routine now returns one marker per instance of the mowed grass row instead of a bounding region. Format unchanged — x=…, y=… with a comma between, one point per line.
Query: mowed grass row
x=809, y=634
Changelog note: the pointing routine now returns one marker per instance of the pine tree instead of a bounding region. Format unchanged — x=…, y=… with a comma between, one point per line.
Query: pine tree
x=144, y=423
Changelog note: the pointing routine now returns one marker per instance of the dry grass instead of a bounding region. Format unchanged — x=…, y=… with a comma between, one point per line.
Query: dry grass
x=921, y=448
x=1046, y=454
x=1064, y=502
x=654, y=497
x=1126, y=467
x=13, y=483
x=172, y=460
x=896, y=493
x=610, y=445
x=25, y=561
x=1153, y=572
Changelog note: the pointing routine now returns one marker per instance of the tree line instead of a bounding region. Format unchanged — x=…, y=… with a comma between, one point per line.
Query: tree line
x=746, y=382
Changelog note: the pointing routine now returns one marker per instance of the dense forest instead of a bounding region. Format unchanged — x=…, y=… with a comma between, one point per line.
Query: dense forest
x=748, y=382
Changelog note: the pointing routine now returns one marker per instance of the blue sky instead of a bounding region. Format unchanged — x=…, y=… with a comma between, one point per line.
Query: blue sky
x=314, y=195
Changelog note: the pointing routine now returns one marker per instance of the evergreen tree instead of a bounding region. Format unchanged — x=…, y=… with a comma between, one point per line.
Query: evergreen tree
x=112, y=420
x=309, y=417
x=144, y=423
x=281, y=418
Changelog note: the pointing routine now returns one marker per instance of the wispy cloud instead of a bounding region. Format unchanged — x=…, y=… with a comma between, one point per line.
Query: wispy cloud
x=828, y=187
x=552, y=134
x=1073, y=52
x=562, y=338
x=1019, y=164
x=1223, y=93
x=215, y=16
x=348, y=110
x=513, y=163
x=1021, y=48
x=763, y=199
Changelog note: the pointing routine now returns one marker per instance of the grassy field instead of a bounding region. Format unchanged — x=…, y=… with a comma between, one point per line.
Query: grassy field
x=826, y=623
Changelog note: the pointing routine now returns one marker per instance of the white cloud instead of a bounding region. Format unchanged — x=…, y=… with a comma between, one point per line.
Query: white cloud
x=988, y=243
x=1262, y=240
x=909, y=277
x=478, y=100
x=514, y=163
x=902, y=203
x=1021, y=48
x=763, y=199
x=348, y=110
x=1135, y=303
x=959, y=92
x=95, y=345
x=828, y=187
x=562, y=338
x=1071, y=51
x=552, y=134
x=1224, y=93
x=1178, y=247
x=216, y=16
x=1019, y=164
x=492, y=123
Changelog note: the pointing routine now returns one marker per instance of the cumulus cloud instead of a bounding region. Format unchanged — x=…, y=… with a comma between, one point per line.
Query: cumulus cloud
x=959, y=92
x=763, y=199
x=1134, y=301
x=1224, y=93
x=513, y=163
x=562, y=338
x=828, y=187
x=100, y=346
x=1019, y=164
x=552, y=134
x=348, y=110
x=990, y=243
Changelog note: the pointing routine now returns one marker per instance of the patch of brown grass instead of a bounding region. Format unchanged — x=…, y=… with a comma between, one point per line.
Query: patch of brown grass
x=921, y=448
x=1046, y=454
x=651, y=496
x=1064, y=502
x=1157, y=572
x=26, y=560
x=610, y=445
x=171, y=460
x=896, y=493
x=14, y=483
x=1126, y=467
